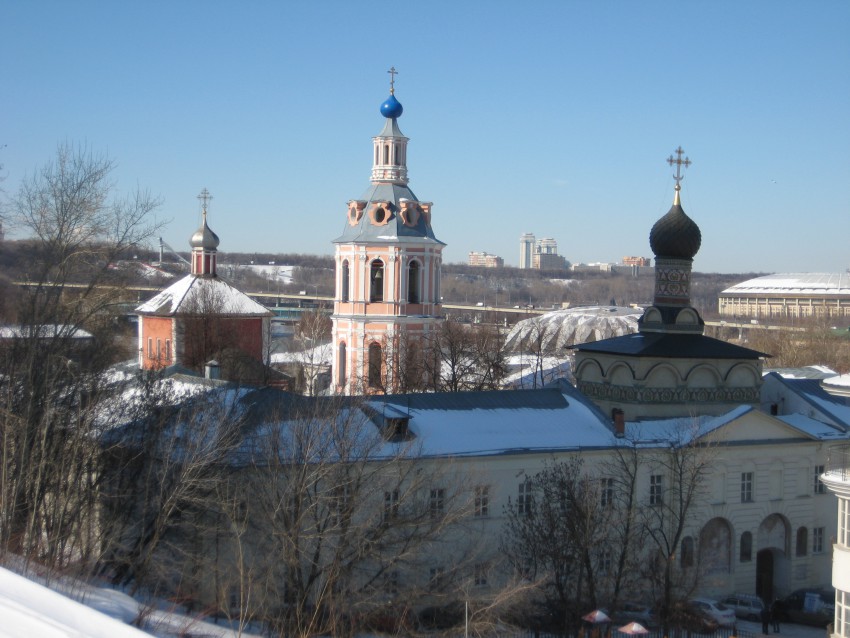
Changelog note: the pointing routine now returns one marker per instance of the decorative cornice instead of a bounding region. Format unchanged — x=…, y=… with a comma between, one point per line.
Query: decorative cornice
x=636, y=394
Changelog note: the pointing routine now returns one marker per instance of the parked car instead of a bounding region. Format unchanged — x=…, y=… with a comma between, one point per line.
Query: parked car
x=746, y=606
x=635, y=612
x=718, y=612
x=808, y=606
x=684, y=615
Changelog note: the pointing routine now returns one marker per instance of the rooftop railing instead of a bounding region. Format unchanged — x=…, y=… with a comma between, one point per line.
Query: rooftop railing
x=838, y=462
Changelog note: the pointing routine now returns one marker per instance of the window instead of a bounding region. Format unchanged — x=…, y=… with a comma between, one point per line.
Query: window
x=818, y=535
x=391, y=583
x=604, y=560
x=746, y=554
x=168, y=349
x=375, y=357
x=341, y=502
x=687, y=552
x=344, y=283
x=746, y=487
x=802, y=541
x=150, y=348
x=606, y=496
x=523, y=501
x=390, y=505
x=820, y=488
x=413, y=282
x=342, y=364
x=480, y=575
x=656, y=489
x=482, y=500
x=438, y=502
x=376, y=281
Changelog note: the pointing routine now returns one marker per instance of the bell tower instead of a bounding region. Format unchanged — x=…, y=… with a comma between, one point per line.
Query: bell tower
x=387, y=263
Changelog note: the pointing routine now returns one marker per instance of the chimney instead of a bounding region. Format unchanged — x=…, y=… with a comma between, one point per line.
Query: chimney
x=619, y=419
x=212, y=370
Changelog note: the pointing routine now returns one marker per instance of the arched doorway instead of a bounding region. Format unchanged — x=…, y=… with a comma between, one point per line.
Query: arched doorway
x=772, y=564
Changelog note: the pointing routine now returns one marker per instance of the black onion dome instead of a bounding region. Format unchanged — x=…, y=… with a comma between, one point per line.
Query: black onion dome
x=675, y=235
x=204, y=237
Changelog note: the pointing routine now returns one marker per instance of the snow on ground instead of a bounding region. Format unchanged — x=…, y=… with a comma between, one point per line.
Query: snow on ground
x=271, y=271
x=319, y=355
x=29, y=610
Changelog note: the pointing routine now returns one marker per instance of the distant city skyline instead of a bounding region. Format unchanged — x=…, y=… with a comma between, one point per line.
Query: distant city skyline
x=553, y=117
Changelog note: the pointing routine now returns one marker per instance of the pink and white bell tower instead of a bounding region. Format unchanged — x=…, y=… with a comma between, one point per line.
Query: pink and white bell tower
x=387, y=270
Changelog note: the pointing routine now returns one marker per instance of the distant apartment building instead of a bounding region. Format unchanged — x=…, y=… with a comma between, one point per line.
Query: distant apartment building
x=636, y=261
x=540, y=254
x=485, y=260
x=526, y=250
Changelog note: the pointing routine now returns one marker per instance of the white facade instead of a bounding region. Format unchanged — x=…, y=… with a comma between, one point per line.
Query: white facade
x=837, y=479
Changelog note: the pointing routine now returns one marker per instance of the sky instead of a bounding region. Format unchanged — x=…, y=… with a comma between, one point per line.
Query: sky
x=549, y=117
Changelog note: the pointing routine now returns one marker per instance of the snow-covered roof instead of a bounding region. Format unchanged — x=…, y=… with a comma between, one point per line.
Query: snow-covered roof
x=803, y=372
x=195, y=295
x=562, y=328
x=838, y=381
x=44, y=332
x=808, y=284
x=812, y=427
x=502, y=422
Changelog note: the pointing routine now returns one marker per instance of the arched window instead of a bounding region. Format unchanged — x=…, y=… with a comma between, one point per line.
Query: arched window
x=715, y=546
x=802, y=541
x=746, y=547
x=374, y=366
x=687, y=552
x=386, y=154
x=413, y=295
x=376, y=281
x=342, y=371
x=344, y=283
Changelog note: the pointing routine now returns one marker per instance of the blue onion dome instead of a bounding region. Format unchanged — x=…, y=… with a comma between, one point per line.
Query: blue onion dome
x=204, y=237
x=391, y=108
x=675, y=235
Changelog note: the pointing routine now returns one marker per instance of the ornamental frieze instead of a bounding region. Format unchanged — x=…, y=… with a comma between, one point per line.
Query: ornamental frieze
x=632, y=394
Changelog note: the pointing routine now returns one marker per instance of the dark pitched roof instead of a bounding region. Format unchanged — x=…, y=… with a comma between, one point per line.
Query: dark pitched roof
x=673, y=346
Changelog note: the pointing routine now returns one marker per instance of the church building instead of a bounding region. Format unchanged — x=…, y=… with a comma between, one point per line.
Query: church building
x=202, y=316
x=387, y=264
x=670, y=368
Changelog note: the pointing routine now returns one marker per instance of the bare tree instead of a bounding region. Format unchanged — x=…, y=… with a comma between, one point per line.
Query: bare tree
x=52, y=368
x=678, y=482
x=351, y=514
x=313, y=342
x=558, y=531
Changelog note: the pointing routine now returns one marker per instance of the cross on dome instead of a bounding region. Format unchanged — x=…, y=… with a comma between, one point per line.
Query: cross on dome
x=679, y=162
x=392, y=73
x=205, y=197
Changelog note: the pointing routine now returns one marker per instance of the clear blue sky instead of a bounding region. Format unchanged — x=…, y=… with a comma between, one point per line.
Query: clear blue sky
x=546, y=117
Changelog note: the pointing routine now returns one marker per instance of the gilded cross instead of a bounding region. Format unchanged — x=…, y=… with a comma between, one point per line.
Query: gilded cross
x=205, y=197
x=679, y=162
x=392, y=73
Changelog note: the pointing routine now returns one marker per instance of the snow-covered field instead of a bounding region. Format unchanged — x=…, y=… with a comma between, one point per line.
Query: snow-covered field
x=72, y=609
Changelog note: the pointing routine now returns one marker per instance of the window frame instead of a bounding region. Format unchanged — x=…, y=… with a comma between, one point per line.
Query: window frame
x=747, y=481
x=656, y=490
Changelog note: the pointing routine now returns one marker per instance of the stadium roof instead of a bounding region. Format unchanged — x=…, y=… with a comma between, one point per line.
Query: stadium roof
x=788, y=284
